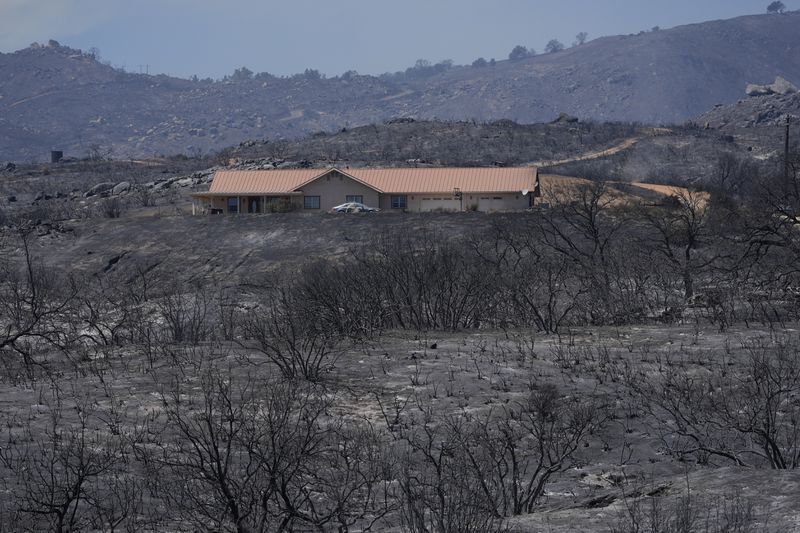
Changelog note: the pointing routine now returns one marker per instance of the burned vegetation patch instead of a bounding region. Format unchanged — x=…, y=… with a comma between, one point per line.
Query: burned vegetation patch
x=591, y=366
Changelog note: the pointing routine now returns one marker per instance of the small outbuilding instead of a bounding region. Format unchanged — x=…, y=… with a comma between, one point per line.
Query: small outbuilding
x=402, y=189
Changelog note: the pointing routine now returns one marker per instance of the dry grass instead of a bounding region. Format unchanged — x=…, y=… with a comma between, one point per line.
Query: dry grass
x=557, y=189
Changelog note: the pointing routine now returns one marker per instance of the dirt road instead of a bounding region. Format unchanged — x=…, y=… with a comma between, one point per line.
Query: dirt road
x=598, y=154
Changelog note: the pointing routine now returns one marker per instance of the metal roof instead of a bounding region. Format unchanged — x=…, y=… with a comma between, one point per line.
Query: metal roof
x=384, y=180
x=261, y=181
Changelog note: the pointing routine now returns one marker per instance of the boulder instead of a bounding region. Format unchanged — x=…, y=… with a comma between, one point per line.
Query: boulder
x=208, y=178
x=781, y=86
x=121, y=187
x=757, y=90
x=9, y=167
x=100, y=188
x=161, y=185
x=564, y=118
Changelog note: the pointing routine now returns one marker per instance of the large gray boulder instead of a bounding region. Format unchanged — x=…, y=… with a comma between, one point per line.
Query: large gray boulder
x=165, y=184
x=121, y=187
x=757, y=90
x=781, y=86
x=100, y=188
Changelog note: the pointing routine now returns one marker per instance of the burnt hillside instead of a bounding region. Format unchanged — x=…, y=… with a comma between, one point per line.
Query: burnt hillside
x=56, y=97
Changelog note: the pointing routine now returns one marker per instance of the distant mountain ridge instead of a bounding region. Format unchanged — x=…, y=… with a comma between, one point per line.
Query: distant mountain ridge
x=54, y=97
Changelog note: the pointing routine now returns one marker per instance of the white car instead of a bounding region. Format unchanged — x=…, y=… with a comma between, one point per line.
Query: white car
x=354, y=207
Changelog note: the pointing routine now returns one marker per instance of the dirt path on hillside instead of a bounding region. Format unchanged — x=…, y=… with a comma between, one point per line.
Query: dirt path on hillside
x=18, y=102
x=293, y=114
x=401, y=94
x=597, y=154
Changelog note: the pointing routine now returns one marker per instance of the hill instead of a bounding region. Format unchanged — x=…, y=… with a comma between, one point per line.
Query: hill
x=764, y=113
x=153, y=319
x=56, y=97
x=597, y=151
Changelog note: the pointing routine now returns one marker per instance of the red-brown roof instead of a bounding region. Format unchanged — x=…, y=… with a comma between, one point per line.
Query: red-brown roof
x=260, y=181
x=384, y=180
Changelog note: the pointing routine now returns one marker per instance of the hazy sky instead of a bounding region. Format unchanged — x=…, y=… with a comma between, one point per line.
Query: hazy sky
x=213, y=37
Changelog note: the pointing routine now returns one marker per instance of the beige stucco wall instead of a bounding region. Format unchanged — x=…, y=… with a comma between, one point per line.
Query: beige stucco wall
x=413, y=201
x=219, y=203
x=509, y=202
x=334, y=191
x=334, y=188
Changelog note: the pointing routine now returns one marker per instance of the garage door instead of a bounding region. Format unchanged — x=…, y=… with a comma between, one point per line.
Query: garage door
x=491, y=203
x=440, y=203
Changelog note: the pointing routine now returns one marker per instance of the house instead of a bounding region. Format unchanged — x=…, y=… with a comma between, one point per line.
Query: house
x=403, y=189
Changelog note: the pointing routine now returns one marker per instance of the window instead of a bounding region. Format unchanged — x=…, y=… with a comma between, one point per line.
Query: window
x=398, y=202
x=310, y=202
x=354, y=198
x=233, y=205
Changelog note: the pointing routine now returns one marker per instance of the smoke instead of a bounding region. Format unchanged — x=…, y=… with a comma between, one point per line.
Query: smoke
x=25, y=21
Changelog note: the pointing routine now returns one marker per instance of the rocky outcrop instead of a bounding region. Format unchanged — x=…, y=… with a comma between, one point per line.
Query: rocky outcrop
x=565, y=118
x=121, y=187
x=770, y=110
x=781, y=86
x=197, y=178
x=100, y=188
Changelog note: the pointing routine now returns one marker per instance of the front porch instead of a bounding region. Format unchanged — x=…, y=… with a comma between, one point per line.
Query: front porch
x=217, y=204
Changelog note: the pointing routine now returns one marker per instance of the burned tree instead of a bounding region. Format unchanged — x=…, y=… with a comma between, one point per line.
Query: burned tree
x=747, y=417
x=291, y=335
x=682, y=233
x=247, y=454
x=34, y=305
